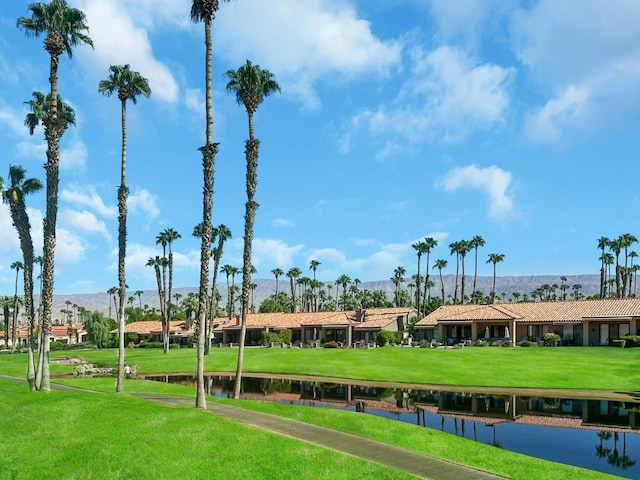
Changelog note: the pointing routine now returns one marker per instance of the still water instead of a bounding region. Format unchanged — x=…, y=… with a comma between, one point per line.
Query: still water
x=597, y=434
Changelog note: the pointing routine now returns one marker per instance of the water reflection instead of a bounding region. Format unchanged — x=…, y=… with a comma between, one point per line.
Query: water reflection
x=558, y=429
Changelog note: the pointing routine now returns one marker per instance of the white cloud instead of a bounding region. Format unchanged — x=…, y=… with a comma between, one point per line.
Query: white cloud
x=194, y=100
x=143, y=203
x=447, y=97
x=302, y=42
x=86, y=196
x=70, y=248
x=282, y=222
x=119, y=39
x=587, y=63
x=492, y=181
x=465, y=21
x=74, y=156
x=84, y=221
x=273, y=252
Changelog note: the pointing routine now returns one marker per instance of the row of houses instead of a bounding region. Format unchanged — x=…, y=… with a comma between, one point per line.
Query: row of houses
x=583, y=322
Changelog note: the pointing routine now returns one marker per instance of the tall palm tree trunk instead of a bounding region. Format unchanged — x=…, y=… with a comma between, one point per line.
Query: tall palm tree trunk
x=208, y=161
x=53, y=132
x=123, y=193
x=251, y=154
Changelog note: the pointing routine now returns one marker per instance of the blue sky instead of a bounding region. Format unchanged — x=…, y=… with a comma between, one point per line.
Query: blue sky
x=398, y=120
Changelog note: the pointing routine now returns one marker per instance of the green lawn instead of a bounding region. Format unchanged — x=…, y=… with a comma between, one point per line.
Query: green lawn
x=594, y=368
x=105, y=435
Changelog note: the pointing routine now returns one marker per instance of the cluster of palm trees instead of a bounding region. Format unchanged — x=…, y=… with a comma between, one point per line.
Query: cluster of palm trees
x=460, y=249
x=623, y=282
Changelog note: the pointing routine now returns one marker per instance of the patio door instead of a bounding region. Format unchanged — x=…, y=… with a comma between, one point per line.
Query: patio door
x=604, y=334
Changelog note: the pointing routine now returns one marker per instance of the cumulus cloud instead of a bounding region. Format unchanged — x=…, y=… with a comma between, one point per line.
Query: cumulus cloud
x=466, y=21
x=73, y=156
x=86, y=196
x=492, y=181
x=303, y=42
x=447, y=96
x=70, y=248
x=84, y=221
x=119, y=34
x=587, y=63
x=274, y=252
x=143, y=203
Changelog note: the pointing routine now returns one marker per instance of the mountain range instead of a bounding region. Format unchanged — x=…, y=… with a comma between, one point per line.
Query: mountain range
x=505, y=287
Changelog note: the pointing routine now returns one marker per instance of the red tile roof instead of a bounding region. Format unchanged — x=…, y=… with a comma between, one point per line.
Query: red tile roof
x=536, y=312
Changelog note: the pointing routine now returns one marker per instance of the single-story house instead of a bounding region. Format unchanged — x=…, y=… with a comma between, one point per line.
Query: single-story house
x=581, y=322
x=151, y=330
x=346, y=327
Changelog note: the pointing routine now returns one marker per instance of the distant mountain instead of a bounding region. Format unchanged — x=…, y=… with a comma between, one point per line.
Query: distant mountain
x=505, y=287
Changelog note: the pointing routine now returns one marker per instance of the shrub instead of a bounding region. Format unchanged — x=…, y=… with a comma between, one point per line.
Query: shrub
x=56, y=345
x=270, y=338
x=619, y=343
x=383, y=337
x=331, y=345
x=148, y=344
x=286, y=335
x=425, y=343
x=80, y=346
x=632, y=341
x=551, y=339
x=482, y=343
x=527, y=343
x=396, y=337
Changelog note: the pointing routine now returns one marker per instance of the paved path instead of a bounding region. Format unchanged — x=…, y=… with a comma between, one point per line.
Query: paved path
x=419, y=464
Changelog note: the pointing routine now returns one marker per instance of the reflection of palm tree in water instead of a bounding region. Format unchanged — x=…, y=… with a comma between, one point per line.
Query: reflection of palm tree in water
x=495, y=442
x=614, y=458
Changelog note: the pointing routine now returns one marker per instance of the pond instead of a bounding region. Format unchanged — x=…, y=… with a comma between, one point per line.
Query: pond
x=595, y=433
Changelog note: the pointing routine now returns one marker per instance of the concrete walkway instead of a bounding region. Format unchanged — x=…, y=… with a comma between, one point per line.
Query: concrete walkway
x=421, y=465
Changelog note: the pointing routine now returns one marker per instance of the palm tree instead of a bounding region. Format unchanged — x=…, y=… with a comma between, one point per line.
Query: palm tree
x=454, y=247
x=39, y=109
x=166, y=238
x=632, y=255
x=314, y=266
x=14, y=194
x=128, y=85
x=276, y=273
x=616, y=247
x=250, y=84
x=157, y=262
x=138, y=293
x=222, y=233
x=475, y=242
x=112, y=292
x=463, y=248
x=204, y=11
x=440, y=264
x=494, y=258
x=17, y=266
x=430, y=243
x=420, y=248
x=603, y=242
x=293, y=273
x=398, y=279
x=64, y=29
x=627, y=240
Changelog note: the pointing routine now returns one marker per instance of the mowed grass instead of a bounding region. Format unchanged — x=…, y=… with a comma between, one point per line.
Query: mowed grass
x=108, y=435
x=105, y=435
x=594, y=368
x=70, y=435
